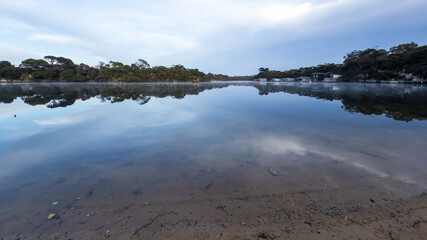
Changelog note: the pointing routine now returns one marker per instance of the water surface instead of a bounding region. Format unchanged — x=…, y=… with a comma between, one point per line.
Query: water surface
x=106, y=157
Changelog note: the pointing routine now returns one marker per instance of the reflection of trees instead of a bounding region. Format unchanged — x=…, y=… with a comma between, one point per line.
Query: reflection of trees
x=399, y=107
x=400, y=102
x=62, y=95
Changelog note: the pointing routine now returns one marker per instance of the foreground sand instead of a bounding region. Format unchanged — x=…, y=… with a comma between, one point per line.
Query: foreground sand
x=223, y=204
x=244, y=219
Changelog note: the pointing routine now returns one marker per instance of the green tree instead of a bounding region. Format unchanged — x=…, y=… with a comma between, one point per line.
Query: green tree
x=68, y=75
x=142, y=64
x=264, y=73
x=402, y=48
x=8, y=71
x=34, y=63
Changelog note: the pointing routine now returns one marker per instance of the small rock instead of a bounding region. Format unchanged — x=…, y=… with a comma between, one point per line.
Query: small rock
x=51, y=216
x=273, y=172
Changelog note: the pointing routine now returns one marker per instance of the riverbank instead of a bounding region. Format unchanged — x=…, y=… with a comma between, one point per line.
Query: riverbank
x=249, y=201
x=305, y=216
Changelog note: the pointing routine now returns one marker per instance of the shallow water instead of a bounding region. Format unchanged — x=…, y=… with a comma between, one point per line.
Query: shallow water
x=103, y=152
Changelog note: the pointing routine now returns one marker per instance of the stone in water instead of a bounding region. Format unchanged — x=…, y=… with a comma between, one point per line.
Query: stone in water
x=273, y=172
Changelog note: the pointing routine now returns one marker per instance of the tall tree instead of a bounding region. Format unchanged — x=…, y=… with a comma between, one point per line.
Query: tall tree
x=142, y=64
x=34, y=63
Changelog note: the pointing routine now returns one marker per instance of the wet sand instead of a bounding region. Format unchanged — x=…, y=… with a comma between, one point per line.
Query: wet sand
x=245, y=200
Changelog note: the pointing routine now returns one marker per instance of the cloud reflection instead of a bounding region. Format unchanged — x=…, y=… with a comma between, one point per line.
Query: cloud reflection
x=280, y=145
x=67, y=119
x=382, y=165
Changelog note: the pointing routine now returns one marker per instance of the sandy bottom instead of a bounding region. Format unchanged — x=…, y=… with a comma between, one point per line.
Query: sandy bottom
x=244, y=200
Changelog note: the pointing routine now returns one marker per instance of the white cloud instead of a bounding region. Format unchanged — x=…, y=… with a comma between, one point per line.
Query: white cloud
x=58, y=39
x=194, y=31
x=15, y=24
x=285, y=13
x=53, y=38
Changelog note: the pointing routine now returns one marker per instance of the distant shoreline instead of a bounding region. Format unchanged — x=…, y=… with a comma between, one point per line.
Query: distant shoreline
x=212, y=81
x=405, y=62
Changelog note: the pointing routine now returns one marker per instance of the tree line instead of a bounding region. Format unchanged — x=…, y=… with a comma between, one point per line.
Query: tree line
x=52, y=68
x=377, y=64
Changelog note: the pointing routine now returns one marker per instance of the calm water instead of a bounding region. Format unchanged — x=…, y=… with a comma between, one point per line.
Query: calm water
x=90, y=145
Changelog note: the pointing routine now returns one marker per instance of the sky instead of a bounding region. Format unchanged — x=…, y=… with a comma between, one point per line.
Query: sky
x=233, y=37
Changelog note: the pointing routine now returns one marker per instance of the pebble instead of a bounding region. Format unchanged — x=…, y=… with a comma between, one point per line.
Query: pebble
x=273, y=172
x=51, y=216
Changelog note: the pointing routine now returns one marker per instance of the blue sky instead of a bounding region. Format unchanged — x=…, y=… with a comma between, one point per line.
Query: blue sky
x=220, y=36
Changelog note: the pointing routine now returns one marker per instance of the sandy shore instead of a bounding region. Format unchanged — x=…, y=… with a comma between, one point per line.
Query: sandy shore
x=245, y=219
x=223, y=204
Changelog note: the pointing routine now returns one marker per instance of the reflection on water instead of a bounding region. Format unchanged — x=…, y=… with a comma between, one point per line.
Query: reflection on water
x=172, y=142
x=400, y=102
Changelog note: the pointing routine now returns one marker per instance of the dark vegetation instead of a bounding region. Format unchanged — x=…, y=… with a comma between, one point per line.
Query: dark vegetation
x=379, y=64
x=63, y=94
x=397, y=63
x=404, y=103
x=62, y=69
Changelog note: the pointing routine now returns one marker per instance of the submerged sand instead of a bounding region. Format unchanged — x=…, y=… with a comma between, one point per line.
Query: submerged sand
x=244, y=201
